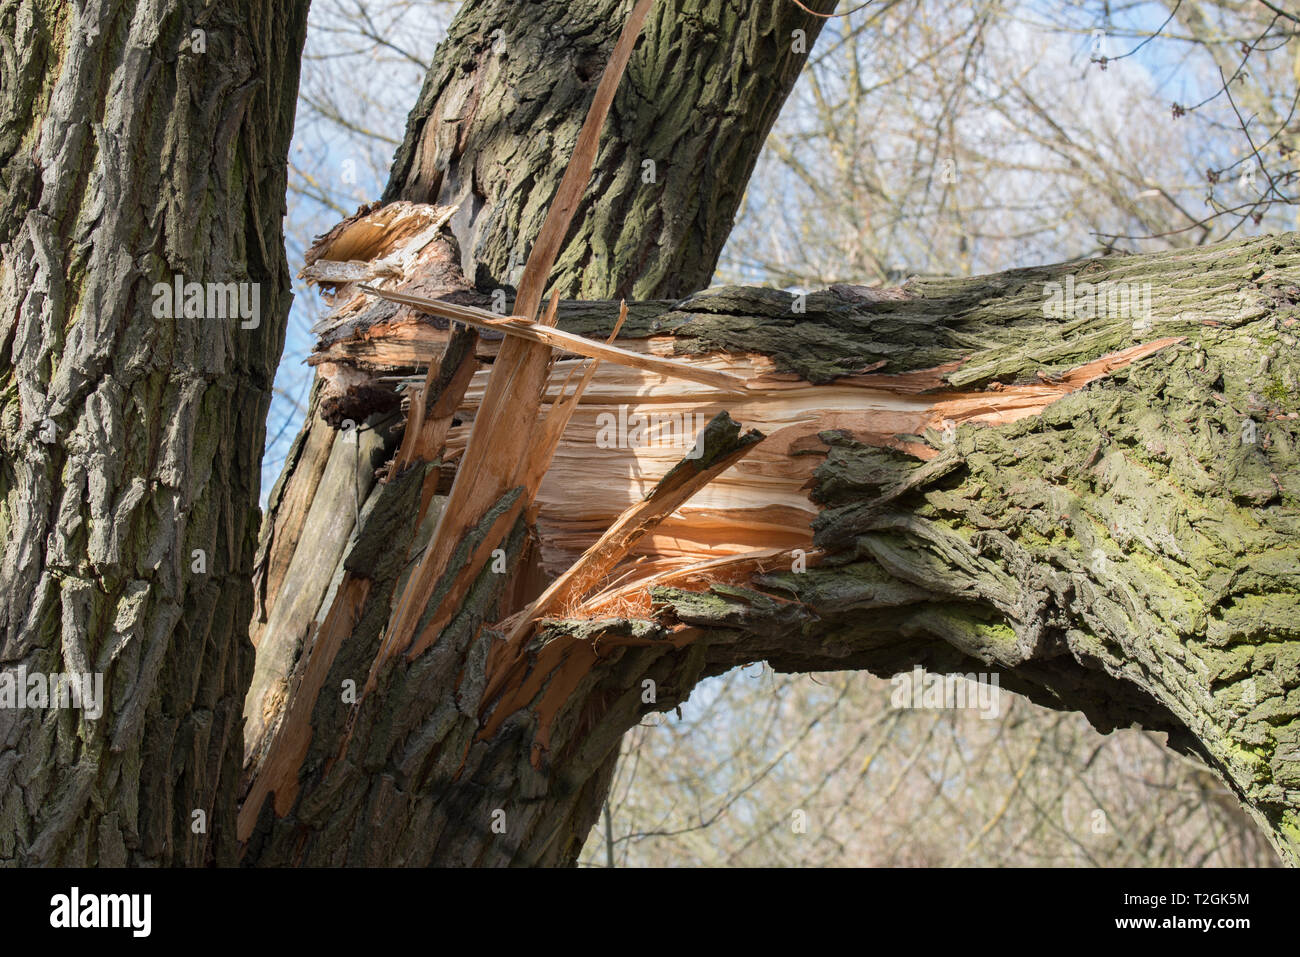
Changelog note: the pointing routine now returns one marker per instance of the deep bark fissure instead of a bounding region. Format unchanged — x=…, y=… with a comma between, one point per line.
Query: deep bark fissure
x=133, y=150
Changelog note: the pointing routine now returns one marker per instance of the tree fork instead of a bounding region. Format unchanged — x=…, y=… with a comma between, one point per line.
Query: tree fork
x=647, y=232
x=703, y=88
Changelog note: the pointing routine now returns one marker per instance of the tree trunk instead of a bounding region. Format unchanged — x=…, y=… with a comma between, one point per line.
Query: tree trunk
x=493, y=130
x=500, y=111
x=138, y=143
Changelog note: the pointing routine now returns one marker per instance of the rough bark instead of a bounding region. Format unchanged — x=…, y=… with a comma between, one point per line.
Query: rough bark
x=134, y=149
x=500, y=111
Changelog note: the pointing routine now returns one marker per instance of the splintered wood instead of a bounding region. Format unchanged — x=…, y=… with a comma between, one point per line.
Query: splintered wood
x=631, y=427
x=559, y=339
x=626, y=461
x=499, y=453
x=598, y=561
x=630, y=419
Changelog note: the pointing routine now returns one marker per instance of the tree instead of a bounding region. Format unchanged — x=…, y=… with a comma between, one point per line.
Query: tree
x=696, y=54
x=943, y=526
x=139, y=146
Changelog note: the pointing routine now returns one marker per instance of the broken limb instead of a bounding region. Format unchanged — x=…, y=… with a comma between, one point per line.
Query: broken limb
x=975, y=486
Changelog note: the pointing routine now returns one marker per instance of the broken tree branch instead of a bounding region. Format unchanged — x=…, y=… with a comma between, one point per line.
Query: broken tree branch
x=723, y=446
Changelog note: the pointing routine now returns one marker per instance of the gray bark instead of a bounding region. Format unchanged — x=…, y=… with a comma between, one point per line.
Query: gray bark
x=500, y=111
x=133, y=149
